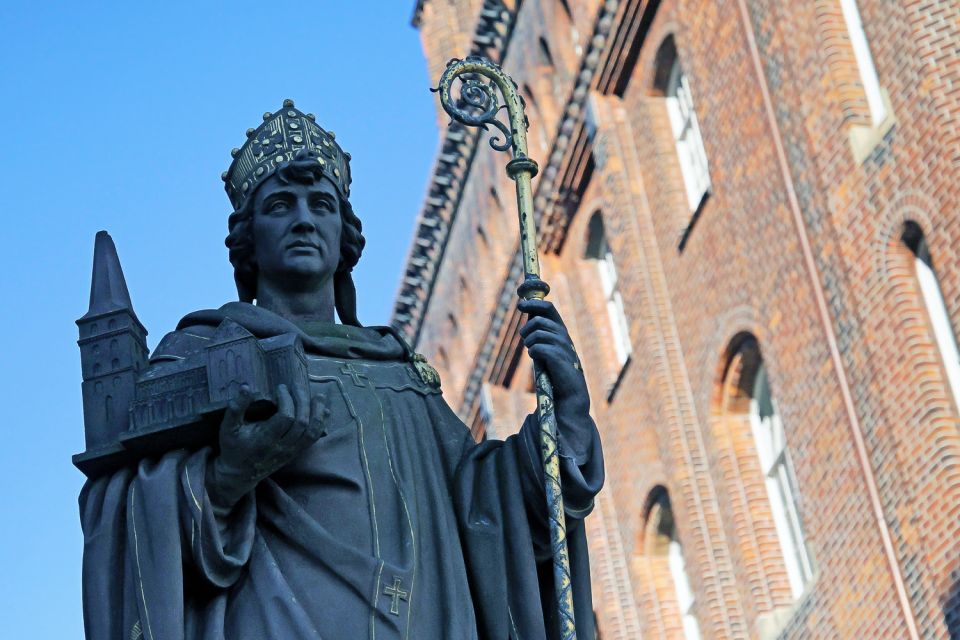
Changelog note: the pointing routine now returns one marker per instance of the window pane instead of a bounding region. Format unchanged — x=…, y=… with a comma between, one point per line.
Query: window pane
x=788, y=482
x=940, y=321
x=681, y=585
x=861, y=50
x=611, y=266
x=780, y=481
x=607, y=281
x=677, y=121
x=761, y=435
x=686, y=135
x=685, y=99
x=618, y=327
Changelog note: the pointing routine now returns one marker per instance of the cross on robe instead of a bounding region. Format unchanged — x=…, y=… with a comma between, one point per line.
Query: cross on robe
x=354, y=374
x=396, y=595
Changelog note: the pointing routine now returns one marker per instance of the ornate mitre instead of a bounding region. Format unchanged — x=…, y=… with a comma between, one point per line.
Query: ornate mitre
x=281, y=136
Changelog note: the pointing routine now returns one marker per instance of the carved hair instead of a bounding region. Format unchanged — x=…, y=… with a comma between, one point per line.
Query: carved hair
x=303, y=169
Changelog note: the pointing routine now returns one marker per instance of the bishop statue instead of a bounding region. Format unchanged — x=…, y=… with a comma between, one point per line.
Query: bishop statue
x=271, y=473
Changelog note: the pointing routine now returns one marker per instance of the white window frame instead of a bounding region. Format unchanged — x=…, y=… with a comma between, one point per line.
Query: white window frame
x=686, y=136
x=681, y=586
x=609, y=280
x=868, y=70
x=781, y=483
x=939, y=317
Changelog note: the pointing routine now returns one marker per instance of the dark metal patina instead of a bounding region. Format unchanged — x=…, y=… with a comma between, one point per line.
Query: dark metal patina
x=478, y=107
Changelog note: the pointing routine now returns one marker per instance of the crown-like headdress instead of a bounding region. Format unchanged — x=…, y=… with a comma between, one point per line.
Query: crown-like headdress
x=278, y=140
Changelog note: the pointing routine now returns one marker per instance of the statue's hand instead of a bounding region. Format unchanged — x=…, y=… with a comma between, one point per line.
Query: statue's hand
x=252, y=450
x=549, y=344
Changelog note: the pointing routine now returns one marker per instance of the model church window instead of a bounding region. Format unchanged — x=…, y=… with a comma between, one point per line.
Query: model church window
x=936, y=307
x=662, y=540
x=868, y=71
x=683, y=124
x=780, y=480
x=599, y=251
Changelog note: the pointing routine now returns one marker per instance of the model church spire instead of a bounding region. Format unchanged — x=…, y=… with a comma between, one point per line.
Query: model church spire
x=108, y=287
x=113, y=349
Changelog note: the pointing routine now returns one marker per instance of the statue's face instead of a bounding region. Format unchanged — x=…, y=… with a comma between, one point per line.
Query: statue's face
x=296, y=232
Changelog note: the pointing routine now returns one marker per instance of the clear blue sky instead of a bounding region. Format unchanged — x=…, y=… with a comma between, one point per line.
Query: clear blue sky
x=121, y=116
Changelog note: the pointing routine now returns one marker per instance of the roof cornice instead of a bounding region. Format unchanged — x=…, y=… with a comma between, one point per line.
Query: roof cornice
x=417, y=13
x=543, y=203
x=490, y=39
x=618, y=22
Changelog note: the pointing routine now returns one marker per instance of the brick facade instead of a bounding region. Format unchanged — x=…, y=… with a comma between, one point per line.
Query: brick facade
x=795, y=259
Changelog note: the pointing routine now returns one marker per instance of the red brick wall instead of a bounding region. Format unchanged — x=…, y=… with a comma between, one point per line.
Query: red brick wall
x=798, y=245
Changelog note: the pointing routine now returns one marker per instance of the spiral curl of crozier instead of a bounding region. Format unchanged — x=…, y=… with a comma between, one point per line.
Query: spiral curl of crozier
x=478, y=105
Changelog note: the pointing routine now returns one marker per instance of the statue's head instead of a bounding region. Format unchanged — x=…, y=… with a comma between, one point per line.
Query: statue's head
x=291, y=167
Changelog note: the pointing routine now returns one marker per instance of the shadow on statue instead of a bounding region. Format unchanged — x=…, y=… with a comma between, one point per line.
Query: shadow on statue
x=268, y=472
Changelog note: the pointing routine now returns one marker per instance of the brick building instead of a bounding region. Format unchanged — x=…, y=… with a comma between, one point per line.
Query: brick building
x=748, y=210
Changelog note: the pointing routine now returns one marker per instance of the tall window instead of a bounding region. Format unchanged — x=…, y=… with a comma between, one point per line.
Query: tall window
x=861, y=51
x=536, y=116
x=936, y=308
x=780, y=480
x=683, y=123
x=546, y=58
x=662, y=540
x=599, y=250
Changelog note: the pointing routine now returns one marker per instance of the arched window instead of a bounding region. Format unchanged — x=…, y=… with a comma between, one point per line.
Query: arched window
x=940, y=324
x=599, y=251
x=482, y=234
x=454, y=324
x=495, y=202
x=442, y=359
x=759, y=464
x=535, y=116
x=662, y=540
x=675, y=87
x=868, y=71
x=780, y=480
x=546, y=58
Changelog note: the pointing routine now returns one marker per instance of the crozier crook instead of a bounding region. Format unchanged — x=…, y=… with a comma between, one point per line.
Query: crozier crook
x=478, y=106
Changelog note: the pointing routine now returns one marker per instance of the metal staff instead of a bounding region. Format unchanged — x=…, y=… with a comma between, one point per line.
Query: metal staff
x=478, y=107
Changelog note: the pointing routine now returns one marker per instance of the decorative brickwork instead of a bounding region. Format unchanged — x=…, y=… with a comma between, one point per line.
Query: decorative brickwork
x=796, y=256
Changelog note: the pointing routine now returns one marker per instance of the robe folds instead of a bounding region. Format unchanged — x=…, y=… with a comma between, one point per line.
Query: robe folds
x=395, y=524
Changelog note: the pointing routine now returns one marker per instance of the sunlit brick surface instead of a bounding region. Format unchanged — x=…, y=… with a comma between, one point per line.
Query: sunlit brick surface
x=798, y=245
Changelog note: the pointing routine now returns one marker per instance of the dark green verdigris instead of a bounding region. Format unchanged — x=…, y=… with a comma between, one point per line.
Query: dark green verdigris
x=270, y=473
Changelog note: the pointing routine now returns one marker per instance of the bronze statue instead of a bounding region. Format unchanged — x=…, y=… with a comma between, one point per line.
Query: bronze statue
x=270, y=473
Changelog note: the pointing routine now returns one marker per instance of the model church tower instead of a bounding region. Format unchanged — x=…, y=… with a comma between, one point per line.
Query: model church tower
x=113, y=350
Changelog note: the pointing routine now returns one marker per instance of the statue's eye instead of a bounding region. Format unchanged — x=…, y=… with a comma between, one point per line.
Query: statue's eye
x=277, y=206
x=321, y=204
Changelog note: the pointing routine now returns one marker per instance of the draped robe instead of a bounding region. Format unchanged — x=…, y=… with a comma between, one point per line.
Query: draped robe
x=394, y=524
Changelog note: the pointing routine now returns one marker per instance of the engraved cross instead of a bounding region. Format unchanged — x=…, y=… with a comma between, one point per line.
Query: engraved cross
x=396, y=595
x=354, y=374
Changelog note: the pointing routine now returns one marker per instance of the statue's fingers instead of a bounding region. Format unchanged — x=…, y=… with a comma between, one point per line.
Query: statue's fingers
x=237, y=407
x=547, y=354
x=545, y=325
x=285, y=406
x=301, y=399
x=542, y=336
x=543, y=308
x=319, y=409
x=318, y=417
x=540, y=323
x=559, y=363
x=286, y=411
